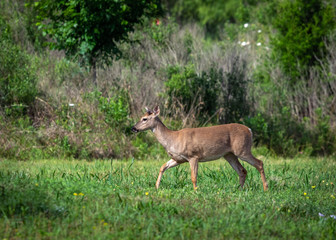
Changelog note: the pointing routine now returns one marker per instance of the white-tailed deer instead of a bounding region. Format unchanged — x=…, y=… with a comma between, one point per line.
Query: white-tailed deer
x=194, y=145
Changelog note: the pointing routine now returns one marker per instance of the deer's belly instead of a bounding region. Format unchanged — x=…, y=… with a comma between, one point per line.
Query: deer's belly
x=178, y=157
x=211, y=158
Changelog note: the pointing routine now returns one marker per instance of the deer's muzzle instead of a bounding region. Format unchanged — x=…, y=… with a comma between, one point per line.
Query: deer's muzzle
x=134, y=130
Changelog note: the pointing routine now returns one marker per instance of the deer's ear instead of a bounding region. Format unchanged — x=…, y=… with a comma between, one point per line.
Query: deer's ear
x=156, y=111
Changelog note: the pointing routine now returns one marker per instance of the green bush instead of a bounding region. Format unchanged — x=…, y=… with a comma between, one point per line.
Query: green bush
x=115, y=108
x=17, y=78
x=146, y=146
x=191, y=89
x=276, y=133
x=302, y=29
x=158, y=31
x=211, y=14
x=324, y=137
x=287, y=137
x=233, y=99
x=97, y=127
x=213, y=91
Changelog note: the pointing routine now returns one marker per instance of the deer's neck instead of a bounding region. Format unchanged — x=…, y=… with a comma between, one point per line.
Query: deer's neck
x=163, y=134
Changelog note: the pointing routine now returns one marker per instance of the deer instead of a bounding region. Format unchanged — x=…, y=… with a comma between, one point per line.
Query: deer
x=203, y=144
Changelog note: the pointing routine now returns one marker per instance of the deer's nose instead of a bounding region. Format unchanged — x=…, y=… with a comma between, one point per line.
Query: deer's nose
x=134, y=130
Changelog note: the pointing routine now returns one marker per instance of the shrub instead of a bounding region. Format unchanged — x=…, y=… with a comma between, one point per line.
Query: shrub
x=324, y=137
x=276, y=133
x=234, y=82
x=214, y=92
x=17, y=79
x=115, y=108
x=193, y=91
x=287, y=137
x=211, y=14
x=302, y=27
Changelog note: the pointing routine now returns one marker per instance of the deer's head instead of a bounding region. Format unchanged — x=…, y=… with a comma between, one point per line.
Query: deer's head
x=147, y=121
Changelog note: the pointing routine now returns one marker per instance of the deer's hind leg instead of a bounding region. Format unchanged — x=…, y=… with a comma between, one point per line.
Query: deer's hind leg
x=235, y=164
x=171, y=163
x=258, y=164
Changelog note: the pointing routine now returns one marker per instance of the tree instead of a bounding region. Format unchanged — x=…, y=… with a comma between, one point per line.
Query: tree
x=91, y=30
x=302, y=30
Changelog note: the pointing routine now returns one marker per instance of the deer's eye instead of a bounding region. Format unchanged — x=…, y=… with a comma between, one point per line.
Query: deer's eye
x=144, y=119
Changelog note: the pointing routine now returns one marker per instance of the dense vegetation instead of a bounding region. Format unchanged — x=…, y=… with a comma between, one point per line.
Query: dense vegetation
x=267, y=64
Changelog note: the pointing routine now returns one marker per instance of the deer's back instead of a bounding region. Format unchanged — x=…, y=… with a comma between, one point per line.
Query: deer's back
x=215, y=141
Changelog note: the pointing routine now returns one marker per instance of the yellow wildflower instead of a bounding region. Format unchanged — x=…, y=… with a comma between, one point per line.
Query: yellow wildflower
x=81, y=194
x=313, y=187
x=147, y=193
x=105, y=223
x=305, y=194
x=75, y=194
x=332, y=196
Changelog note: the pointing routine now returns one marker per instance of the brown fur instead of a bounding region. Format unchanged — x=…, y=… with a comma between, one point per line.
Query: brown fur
x=194, y=145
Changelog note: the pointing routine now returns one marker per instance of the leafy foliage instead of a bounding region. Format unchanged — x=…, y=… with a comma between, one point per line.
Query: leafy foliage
x=177, y=66
x=17, y=78
x=190, y=89
x=91, y=30
x=212, y=14
x=303, y=27
x=115, y=109
x=216, y=91
x=234, y=92
x=283, y=135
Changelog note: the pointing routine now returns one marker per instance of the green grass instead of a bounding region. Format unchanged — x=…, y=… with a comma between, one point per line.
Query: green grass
x=119, y=201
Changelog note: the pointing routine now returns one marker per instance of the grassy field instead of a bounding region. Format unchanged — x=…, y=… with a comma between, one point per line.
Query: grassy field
x=67, y=199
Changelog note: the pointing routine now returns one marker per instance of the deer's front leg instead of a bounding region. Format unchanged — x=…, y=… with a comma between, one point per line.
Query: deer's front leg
x=194, y=169
x=171, y=163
